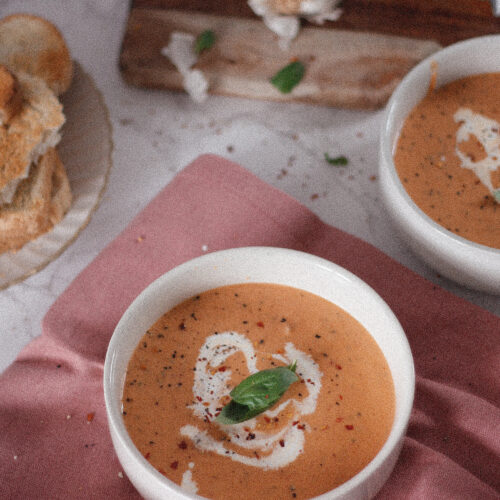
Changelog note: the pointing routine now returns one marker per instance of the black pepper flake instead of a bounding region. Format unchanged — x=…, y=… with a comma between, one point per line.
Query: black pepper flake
x=318, y=336
x=58, y=366
x=283, y=320
x=182, y=326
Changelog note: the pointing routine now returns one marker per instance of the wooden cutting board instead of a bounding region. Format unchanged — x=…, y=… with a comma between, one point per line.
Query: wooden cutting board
x=355, y=62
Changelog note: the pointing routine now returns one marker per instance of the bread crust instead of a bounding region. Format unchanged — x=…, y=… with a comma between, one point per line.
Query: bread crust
x=29, y=133
x=11, y=100
x=34, y=45
x=40, y=202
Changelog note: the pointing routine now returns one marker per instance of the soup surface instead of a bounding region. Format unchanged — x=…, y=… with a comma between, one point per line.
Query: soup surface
x=325, y=428
x=448, y=157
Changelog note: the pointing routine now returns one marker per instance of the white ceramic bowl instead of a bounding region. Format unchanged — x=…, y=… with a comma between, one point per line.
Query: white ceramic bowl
x=470, y=264
x=269, y=265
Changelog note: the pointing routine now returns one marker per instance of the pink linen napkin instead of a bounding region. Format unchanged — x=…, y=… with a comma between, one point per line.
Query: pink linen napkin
x=54, y=440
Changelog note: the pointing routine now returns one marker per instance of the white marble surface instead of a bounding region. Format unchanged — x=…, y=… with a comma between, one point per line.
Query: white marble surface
x=157, y=133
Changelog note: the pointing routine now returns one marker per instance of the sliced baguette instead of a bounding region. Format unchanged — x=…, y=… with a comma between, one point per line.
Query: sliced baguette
x=34, y=45
x=29, y=134
x=39, y=202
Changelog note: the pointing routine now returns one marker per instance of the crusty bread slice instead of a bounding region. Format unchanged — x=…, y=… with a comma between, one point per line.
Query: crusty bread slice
x=34, y=45
x=39, y=202
x=11, y=100
x=29, y=134
x=61, y=196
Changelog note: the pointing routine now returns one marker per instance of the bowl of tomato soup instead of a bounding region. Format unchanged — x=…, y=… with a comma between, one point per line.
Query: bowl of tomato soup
x=440, y=161
x=241, y=316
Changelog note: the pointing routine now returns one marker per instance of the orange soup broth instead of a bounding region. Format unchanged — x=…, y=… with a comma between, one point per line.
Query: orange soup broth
x=431, y=171
x=354, y=410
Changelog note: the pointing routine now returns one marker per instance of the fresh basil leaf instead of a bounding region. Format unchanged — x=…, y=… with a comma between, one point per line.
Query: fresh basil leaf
x=496, y=195
x=341, y=161
x=204, y=41
x=234, y=413
x=288, y=77
x=257, y=393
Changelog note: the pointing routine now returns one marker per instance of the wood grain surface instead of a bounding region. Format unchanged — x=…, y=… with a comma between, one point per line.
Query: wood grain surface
x=355, y=62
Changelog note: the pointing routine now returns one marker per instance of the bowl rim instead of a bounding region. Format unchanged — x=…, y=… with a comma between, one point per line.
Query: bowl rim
x=399, y=426
x=386, y=146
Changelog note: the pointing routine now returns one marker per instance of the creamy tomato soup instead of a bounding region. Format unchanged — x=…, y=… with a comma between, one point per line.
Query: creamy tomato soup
x=325, y=428
x=448, y=157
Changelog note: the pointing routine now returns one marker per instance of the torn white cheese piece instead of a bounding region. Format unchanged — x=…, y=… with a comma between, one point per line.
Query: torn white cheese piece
x=287, y=26
x=181, y=53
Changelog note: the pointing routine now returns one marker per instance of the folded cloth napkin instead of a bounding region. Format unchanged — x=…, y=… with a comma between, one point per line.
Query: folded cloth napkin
x=54, y=439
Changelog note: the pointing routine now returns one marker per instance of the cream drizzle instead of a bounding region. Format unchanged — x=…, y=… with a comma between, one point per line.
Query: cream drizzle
x=210, y=385
x=486, y=131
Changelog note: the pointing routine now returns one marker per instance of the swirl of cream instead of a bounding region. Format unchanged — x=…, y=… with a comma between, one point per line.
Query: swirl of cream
x=486, y=131
x=211, y=384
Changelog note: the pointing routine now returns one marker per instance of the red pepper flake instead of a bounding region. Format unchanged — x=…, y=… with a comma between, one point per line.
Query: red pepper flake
x=257, y=456
x=143, y=368
x=301, y=427
x=338, y=367
x=207, y=420
x=90, y=417
x=267, y=396
x=174, y=465
x=339, y=419
x=250, y=436
x=222, y=368
x=267, y=419
x=260, y=324
x=161, y=471
x=206, y=403
x=296, y=422
x=349, y=427
x=147, y=455
x=341, y=397
x=199, y=399
x=282, y=443
x=183, y=445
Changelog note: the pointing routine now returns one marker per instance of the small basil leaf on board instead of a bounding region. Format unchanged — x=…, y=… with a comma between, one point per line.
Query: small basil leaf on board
x=204, y=41
x=288, y=77
x=257, y=393
x=340, y=161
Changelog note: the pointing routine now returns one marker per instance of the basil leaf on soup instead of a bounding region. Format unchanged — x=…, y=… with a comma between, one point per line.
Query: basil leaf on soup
x=257, y=393
x=288, y=77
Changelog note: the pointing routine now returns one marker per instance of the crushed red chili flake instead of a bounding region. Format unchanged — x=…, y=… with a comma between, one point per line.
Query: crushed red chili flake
x=349, y=427
x=339, y=419
x=147, y=455
x=282, y=443
x=199, y=399
x=183, y=445
x=90, y=417
x=174, y=465
x=301, y=427
x=260, y=324
x=295, y=422
x=338, y=367
x=267, y=396
x=341, y=397
x=222, y=368
x=250, y=436
x=267, y=419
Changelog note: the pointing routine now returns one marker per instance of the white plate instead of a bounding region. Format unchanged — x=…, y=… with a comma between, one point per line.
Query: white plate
x=85, y=149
